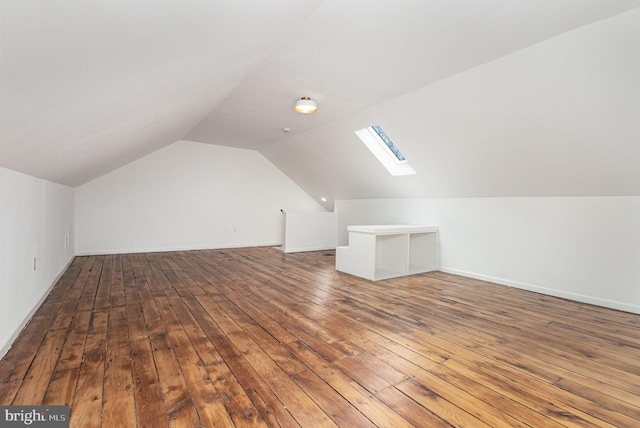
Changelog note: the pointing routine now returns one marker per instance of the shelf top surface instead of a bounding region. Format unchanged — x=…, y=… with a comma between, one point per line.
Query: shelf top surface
x=392, y=228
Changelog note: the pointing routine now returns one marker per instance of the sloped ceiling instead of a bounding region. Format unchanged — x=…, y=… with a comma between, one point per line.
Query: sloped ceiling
x=485, y=98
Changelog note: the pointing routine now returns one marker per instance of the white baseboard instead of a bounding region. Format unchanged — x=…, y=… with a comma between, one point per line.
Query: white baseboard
x=300, y=250
x=180, y=248
x=577, y=297
x=7, y=342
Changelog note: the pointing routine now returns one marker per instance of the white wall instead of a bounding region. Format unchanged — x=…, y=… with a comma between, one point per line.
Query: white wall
x=187, y=196
x=383, y=211
x=36, y=216
x=581, y=248
x=309, y=231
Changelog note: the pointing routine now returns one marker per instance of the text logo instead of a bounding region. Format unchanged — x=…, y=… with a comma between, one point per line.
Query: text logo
x=34, y=416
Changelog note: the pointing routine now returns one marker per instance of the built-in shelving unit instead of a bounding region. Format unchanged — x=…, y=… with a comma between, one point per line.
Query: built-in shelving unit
x=388, y=251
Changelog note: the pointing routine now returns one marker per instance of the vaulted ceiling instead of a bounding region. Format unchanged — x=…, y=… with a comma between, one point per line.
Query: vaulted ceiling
x=485, y=98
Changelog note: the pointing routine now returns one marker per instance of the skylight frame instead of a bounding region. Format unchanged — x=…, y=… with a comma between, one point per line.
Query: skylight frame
x=382, y=150
x=385, y=139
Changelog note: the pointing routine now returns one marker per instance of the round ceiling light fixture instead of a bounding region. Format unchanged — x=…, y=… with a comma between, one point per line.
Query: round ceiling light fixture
x=306, y=105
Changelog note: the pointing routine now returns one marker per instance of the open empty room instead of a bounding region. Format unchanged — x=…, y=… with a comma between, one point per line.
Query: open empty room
x=320, y=213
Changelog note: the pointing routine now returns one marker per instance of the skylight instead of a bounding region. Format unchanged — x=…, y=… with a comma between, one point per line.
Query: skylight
x=383, y=148
x=388, y=142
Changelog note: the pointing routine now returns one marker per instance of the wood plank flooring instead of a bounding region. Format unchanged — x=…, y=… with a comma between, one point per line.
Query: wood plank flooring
x=255, y=337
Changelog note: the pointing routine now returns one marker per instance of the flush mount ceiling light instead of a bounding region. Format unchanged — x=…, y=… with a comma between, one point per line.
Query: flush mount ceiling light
x=306, y=105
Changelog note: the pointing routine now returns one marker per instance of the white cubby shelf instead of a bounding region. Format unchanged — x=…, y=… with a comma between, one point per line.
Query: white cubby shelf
x=387, y=251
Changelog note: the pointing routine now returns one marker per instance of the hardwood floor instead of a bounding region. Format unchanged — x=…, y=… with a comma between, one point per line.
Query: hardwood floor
x=254, y=337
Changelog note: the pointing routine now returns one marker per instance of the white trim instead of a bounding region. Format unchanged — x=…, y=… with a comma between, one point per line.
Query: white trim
x=374, y=143
x=576, y=297
x=21, y=324
x=300, y=250
x=168, y=249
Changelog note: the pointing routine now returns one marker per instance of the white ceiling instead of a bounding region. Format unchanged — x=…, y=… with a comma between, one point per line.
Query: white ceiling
x=90, y=86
